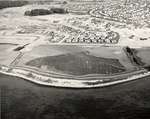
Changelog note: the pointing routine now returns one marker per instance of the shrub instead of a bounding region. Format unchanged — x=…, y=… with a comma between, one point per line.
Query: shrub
x=65, y=2
x=59, y=10
x=7, y=4
x=37, y=12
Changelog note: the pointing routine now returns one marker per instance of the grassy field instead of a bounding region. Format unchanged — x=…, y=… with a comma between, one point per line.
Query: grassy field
x=78, y=64
x=77, y=60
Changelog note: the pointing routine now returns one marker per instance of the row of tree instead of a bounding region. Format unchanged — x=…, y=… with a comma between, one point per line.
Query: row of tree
x=8, y=3
x=36, y=12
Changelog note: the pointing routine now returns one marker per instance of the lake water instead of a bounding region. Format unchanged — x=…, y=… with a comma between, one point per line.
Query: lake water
x=24, y=100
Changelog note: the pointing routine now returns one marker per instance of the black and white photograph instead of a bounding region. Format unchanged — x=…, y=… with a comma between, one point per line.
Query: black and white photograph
x=74, y=59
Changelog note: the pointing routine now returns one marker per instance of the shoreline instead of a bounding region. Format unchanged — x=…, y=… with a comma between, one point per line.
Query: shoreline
x=68, y=83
